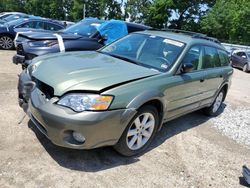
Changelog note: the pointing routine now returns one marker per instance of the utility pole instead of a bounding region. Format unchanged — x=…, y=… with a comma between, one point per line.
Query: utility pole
x=84, y=11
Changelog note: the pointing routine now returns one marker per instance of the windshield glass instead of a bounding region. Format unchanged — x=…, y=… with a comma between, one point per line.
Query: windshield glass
x=146, y=50
x=85, y=27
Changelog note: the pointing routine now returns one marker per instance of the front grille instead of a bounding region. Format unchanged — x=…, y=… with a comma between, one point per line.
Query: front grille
x=47, y=90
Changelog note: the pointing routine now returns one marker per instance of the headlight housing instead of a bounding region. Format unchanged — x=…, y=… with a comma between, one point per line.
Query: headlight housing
x=80, y=102
x=46, y=43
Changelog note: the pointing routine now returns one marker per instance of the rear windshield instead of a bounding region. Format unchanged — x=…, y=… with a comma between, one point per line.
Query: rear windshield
x=146, y=50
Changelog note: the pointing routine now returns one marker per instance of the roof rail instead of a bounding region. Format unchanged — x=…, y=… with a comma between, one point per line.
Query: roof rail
x=190, y=33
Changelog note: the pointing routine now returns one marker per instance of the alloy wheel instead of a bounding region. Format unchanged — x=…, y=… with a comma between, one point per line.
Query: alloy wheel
x=140, y=131
x=218, y=102
x=6, y=42
x=245, y=68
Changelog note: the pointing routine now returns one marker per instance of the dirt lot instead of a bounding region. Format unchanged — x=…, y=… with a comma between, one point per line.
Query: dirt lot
x=188, y=152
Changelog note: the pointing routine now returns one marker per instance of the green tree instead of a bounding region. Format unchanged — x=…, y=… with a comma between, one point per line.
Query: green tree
x=12, y=5
x=136, y=10
x=228, y=21
x=47, y=8
x=158, y=13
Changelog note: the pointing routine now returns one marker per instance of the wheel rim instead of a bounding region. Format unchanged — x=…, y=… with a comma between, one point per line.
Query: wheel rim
x=6, y=42
x=245, y=68
x=218, y=102
x=140, y=131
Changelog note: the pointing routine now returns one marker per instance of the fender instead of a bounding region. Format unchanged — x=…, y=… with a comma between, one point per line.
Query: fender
x=146, y=97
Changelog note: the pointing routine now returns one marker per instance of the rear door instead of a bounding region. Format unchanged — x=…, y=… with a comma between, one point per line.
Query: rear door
x=214, y=73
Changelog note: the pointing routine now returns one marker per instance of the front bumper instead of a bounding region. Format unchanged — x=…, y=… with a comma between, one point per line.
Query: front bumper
x=23, y=96
x=101, y=128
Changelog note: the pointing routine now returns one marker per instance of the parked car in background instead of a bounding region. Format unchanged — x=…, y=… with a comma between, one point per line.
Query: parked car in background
x=12, y=17
x=241, y=59
x=8, y=30
x=6, y=14
x=121, y=94
x=81, y=36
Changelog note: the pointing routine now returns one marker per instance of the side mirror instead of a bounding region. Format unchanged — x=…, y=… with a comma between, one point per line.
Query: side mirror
x=187, y=67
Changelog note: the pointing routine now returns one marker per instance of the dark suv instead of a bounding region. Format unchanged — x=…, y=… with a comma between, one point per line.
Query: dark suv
x=241, y=59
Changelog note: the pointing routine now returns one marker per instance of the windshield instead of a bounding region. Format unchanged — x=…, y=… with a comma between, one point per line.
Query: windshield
x=146, y=50
x=85, y=27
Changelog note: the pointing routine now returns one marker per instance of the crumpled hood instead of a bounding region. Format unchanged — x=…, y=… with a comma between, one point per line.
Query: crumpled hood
x=47, y=35
x=88, y=71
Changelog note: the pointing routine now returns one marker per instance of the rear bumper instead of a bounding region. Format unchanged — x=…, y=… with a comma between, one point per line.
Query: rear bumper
x=101, y=128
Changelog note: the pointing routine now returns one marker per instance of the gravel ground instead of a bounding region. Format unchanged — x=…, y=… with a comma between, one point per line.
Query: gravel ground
x=235, y=123
x=187, y=152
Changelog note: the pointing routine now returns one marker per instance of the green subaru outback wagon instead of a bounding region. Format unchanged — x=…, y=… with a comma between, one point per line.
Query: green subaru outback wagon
x=122, y=94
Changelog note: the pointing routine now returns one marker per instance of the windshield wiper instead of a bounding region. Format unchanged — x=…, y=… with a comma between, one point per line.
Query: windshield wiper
x=121, y=57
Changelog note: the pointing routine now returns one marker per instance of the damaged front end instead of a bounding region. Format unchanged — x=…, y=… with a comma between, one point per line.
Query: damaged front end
x=25, y=87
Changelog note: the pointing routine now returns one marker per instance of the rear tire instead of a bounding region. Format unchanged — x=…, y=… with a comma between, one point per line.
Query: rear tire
x=245, y=68
x=139, y=133
x=6, y=43
x=214, y=109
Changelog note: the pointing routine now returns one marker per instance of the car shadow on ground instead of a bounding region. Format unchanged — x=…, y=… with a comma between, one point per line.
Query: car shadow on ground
x=106, y=158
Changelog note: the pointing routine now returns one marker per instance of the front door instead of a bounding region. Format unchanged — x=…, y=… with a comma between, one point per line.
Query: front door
x=187, y=90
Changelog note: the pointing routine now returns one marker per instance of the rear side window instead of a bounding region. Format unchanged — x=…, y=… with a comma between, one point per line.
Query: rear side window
x=223, y=58
x=211, y=58
x=26, y=25
x=239, y=53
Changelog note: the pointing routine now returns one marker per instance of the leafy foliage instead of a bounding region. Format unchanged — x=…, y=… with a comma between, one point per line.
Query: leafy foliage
x=227, y=20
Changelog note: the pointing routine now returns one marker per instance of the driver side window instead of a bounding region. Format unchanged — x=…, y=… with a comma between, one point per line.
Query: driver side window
x=193, y=56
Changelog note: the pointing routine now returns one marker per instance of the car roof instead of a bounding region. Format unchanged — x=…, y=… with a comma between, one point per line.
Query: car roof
x=32, y=18
x=136, y=25
x=189, y=38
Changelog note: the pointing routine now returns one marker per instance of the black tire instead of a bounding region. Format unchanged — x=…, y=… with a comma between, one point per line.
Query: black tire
x=210, y=111
x=6, y=42
x=245, y=68
x=122, y=145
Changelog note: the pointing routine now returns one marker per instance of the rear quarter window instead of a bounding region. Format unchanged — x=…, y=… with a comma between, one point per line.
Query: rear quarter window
x=224, y=59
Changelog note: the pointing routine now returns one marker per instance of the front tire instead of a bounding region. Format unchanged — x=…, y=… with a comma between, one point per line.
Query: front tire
x=139, y=133
x=214, y=109
x=6, y=42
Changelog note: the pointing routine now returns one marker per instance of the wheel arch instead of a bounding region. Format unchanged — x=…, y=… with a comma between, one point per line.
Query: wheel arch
x=153, y=98
x=225, y=87
x=7, y=34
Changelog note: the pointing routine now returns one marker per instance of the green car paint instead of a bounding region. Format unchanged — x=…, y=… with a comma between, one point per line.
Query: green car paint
x=172, y=91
